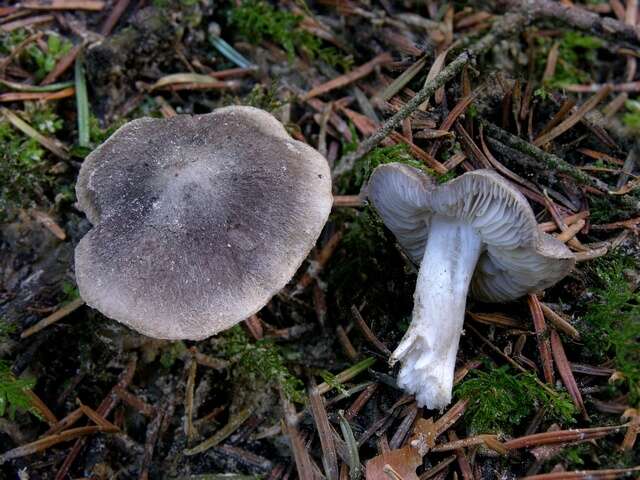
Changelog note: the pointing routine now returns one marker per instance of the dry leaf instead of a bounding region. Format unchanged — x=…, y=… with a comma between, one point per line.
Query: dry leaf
x=403, y=461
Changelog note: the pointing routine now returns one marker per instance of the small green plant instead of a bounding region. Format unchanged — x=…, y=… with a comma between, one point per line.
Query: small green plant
x=261, y=361
x=45, y=61
x=37, y=60
x=23, y=170
x=70, y=291
x=12, y=392
x=576, y=52
x=257, y=20
x=611, y=326
x=500, y=400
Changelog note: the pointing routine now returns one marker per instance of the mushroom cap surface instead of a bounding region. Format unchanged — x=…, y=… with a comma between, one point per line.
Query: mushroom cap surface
x=516, y=259
x=198, y=220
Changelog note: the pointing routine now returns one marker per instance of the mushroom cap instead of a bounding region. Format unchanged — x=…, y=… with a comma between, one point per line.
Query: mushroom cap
x=516, y=259
x=198, y=220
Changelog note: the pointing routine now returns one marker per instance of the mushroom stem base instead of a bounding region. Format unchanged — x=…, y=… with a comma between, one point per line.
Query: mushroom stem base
x=428, y=350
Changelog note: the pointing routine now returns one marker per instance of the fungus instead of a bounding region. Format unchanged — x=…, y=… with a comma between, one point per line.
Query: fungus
x=477, y=232
x=198, y=220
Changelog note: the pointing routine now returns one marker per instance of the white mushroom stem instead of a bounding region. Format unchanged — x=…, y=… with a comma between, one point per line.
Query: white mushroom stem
x=428, y=349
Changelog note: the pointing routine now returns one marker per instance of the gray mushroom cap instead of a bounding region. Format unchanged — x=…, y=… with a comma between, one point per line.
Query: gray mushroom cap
x=517, y=258
x=198, y=220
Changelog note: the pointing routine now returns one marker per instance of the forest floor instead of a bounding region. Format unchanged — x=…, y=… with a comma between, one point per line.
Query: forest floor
x=544, y=93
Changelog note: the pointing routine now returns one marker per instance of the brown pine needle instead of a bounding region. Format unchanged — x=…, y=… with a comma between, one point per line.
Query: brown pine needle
x=541, y=333
x=496, y=319
x=564, y=368
x=452, y=415
x=562, y=436
x=353, y=201
x=234, y=422
x=573, y=119
x=549, y=227
x=560, y=323
x=188, y=398
x=634, y=429
x=344, y=80
x=367, y=332
x=571, y=231
x=91, y=5
x=66, y=422
x=51, y=440
x=319, y=413
x=490, y=441
x=37, y=402
x=96, y=418
x=323, y=256
x=63, y=64
x=611, y=474
x=51, y=225
x=59, y=314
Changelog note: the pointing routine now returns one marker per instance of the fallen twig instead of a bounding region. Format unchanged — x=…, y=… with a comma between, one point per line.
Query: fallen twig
x=580, y=18
x=511, y=23
x=550, y=160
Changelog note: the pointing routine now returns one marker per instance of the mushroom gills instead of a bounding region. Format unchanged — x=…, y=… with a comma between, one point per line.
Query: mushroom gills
x=428, y=349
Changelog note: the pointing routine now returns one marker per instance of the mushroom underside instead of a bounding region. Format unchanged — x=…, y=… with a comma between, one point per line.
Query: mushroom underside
x=476, y=233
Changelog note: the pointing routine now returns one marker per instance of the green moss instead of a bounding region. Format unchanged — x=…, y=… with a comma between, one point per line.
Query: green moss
x=576, y=55
x=261, y=361
x=631, y=118
x=501, y=400
x=12, y=392
x=257, y=21
x=574, y=455
x=364, y=243
x=611, y=324
x=172, y=353
x=611, y=208
x=261, y=96
x=24, y=168
x=6, y=329
x=364, y=167
x=603, y=454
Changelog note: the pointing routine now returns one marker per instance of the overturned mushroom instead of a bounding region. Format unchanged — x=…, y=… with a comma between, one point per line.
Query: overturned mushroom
x=198, y=220
x=476, y=231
